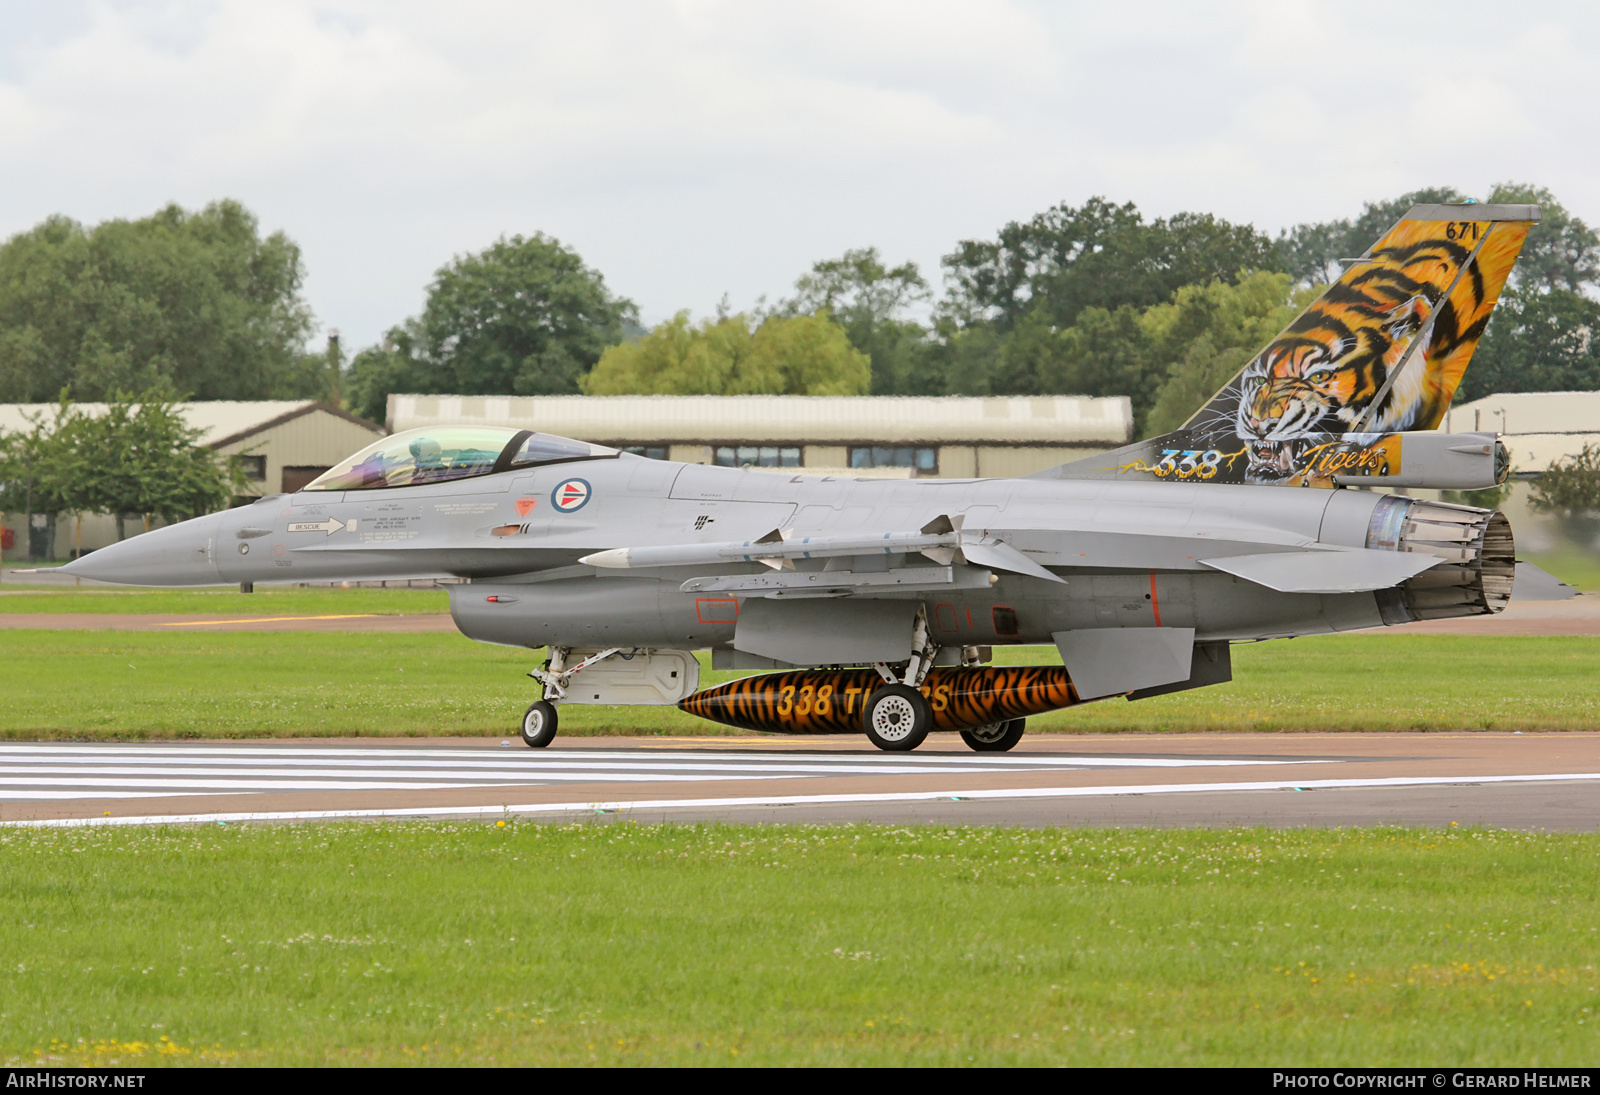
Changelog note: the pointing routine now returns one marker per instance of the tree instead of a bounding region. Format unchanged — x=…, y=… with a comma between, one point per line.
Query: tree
x=40, y=473
x=141, y=457
x=199, y=302
x=1536, y=342
x=1561, y=252
x=1168, y=359
x=137, y=457
x=1101, y=255
x=1207, y=333
x=1310, y=253
x=1570, y=489
x=393, y=366
x=784, y=355
x=870, y=301
x=523, y=317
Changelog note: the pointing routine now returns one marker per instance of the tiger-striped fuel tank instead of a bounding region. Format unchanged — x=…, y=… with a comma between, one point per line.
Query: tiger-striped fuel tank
x=828, y=701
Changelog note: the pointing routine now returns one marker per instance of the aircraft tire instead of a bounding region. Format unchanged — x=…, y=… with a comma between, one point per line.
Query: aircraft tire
x=897, y=718
x=539, y=725
x=997, y=737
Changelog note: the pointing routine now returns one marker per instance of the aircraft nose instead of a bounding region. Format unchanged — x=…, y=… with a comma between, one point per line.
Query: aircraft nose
x=184, y=554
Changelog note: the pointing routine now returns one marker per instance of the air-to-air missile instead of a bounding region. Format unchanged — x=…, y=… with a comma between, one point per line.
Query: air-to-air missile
x=878, y=603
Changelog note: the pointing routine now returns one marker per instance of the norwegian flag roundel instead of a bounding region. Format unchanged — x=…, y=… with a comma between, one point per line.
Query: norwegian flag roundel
x=570, y=495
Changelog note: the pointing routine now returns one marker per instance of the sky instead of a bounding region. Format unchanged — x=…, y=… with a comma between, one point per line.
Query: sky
x=699, y=150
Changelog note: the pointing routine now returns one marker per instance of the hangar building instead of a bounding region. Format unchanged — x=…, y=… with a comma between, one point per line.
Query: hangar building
x=950, y=437
x=1538, y=428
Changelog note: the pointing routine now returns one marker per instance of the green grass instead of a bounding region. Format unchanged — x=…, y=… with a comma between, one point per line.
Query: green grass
x=76, y=684
x=225, y=601
x=1574, y=566
x=535, y=944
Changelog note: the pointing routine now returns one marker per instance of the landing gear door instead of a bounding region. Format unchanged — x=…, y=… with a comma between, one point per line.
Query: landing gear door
x=651, y=677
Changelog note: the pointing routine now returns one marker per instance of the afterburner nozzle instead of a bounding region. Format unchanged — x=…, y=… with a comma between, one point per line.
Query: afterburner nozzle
x=179, y=555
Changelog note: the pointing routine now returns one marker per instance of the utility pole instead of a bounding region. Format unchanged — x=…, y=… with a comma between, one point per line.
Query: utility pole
x=335, y=368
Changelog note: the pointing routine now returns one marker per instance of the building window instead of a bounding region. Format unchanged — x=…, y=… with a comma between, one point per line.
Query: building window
x=296, y=477
x=924, y=460
x=653, y=452
x=254, y=467
x=757, y=456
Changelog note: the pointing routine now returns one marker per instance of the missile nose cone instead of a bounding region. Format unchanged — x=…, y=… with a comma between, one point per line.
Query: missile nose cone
x=179, y=555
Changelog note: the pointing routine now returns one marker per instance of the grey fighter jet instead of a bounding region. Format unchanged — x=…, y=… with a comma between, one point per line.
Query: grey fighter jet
x=875, y=604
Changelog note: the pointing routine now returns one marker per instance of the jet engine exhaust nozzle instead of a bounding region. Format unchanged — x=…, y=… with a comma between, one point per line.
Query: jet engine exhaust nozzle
x=1476, y=545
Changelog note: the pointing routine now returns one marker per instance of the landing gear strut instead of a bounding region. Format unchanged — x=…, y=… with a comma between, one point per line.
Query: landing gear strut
x=539, y=722
x=897, y=717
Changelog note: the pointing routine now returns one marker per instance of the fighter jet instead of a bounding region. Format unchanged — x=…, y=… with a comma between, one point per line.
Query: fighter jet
x=874, y=606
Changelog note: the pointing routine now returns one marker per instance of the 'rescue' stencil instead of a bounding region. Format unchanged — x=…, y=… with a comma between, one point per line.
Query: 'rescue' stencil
x=571, y=495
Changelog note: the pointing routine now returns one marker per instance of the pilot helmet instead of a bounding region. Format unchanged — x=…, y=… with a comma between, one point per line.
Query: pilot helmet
x=425, y=450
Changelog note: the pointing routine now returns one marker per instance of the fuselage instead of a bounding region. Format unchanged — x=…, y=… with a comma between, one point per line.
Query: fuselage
x=1132, y=554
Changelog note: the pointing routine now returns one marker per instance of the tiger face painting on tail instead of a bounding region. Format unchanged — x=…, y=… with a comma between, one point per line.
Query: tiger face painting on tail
x=1380, y=352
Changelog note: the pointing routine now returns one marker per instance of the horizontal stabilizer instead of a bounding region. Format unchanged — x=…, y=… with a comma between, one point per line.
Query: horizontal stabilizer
x=1533, y=584
x=1356, y=571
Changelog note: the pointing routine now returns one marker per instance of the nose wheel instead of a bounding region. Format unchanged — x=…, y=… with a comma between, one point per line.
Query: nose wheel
x=539, y=725
x=995, y=737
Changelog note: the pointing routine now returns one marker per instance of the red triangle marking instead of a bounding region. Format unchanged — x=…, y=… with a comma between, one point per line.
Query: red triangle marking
x=524, y=505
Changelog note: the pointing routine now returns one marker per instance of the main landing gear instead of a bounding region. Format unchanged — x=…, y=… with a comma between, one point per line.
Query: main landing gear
x=897, y=717
x=996, y=737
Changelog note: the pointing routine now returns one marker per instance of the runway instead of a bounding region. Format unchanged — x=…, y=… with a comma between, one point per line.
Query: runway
x=1547, y=781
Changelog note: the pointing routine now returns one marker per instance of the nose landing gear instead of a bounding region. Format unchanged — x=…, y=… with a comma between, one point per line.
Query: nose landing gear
x=539, y=721
x=539, y=725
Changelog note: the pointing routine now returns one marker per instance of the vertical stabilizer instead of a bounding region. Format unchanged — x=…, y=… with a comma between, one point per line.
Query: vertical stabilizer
x=1379, y=354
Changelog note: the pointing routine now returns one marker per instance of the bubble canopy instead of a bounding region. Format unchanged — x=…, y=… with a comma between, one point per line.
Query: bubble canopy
x=437, y=454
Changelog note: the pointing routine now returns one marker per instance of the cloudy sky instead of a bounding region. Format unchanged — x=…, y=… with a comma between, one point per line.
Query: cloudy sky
x=694, y=149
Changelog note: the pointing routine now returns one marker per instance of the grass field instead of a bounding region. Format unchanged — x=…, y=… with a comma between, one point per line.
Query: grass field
x=74, y=684
x=225, y=601
x=625, y=944
x=1574, y=566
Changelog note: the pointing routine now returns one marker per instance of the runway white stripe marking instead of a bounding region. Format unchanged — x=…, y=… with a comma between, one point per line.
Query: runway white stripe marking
x=63, y=796
x=95, y=771
x=595, y=756
x=527, y=775
x=242, y=784
x=570, y=808
x=535, y=768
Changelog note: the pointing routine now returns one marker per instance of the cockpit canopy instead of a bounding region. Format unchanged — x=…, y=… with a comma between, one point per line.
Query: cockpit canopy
x=435, y=454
